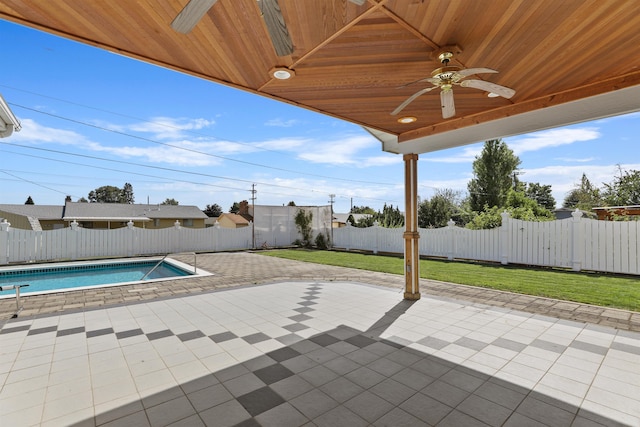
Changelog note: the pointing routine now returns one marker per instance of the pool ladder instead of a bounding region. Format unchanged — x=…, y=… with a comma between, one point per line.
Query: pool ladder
x=19, y=306
x=195, y=268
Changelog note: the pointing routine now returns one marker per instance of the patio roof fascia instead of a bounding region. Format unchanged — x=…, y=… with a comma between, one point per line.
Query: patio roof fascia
x=619, y=102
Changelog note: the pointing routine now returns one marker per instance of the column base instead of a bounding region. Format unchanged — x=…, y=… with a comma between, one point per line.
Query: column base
x=412, y=296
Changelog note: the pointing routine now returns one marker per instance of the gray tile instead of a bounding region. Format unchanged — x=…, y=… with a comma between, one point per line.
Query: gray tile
x=295, y=327
x=282, y=354
x=509, y=344
x=289, y=339
x=310, y=298
x=15, y=329
x=307, y=303
x=591, y=348
x=129, y=333
x=222, y=337
x=299, y=317
x=392, y=391
x=99, y=332
x=341, y=365
x=70, y=331
x=544, y=413
x=171, y=411
x=413, y=378
x=159, y=334
x=42, y=330
x=503, y=396
x=632, y=349
x=243, y=384
x=260, y=400
x=365, y=377
x=457, y=419
x=471, y=343
x=549, y=346
x=256, y=338
x=303, y=309
x=445, y=393
x=273, y=373
x=324, y=340
x=435, y=343
x=318, y=375
x=360, y=341
x=291, y=387
x=187, y=336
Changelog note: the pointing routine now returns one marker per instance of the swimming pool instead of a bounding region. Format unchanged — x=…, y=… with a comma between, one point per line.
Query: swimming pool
x=47, y=278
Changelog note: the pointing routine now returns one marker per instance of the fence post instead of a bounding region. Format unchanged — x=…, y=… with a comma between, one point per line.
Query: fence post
x=73, y=250
x=376, y=230
x=349, y=229
x=4, y=242
x=504, y=238
x=576, y=241
x=452, y=239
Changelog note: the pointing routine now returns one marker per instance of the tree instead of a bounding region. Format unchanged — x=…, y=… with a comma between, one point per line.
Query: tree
x=541, y=194
x=291, y=203
x=518, y=205
x=213, y=210
x=624, y=190
x=437, y=211
x=303, y=224
x=172, y=202
x=362, y=210
x=29, y=201
x=494, y=175
x=82, y=200
x=584, y=196
x=390, y=217
x=235, y=207
x=112, y=194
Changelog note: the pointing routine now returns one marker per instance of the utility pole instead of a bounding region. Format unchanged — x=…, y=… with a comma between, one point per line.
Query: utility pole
x=331, y=197
x=253, y=210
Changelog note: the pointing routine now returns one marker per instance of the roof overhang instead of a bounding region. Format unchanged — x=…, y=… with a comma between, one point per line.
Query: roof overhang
x=8, y=121
x=107, y=218
x=609, y=104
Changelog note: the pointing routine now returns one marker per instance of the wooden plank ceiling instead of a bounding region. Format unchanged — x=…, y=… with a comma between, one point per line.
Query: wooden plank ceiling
x=351, y=61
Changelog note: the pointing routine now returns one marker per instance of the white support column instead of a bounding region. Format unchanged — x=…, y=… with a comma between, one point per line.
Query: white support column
x=411, y=234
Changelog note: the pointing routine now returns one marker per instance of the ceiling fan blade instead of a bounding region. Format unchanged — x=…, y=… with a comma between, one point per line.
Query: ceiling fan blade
x=503, y=91
x=411, y=99
x=470, y=71
x=446, y=101
x=191, y=14
x=428, y=79
x=276, y=27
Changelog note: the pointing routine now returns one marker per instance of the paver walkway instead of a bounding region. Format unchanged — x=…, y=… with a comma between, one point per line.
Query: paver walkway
x=243, y=268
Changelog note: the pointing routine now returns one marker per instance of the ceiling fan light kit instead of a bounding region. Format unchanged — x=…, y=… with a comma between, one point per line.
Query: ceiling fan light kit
x=448, y=76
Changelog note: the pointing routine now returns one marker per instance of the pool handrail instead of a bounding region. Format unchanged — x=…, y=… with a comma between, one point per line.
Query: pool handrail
x=19, y=307
x=195, y=268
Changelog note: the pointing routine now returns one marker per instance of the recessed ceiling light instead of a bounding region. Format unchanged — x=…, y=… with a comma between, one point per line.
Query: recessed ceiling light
x=282, y=73
x=407, y=119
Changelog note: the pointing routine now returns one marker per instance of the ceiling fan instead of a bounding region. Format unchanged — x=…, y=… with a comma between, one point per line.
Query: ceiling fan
x=448, y=76
x=194, y=10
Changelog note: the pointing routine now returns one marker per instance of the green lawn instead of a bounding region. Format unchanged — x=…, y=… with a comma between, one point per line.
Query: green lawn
x=592, y=288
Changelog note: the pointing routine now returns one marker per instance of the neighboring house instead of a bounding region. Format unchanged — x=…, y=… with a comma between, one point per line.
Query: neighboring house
x=564, y=213
x=609, y=212
x=340, y=219
x=231, y=220
x=101, y=215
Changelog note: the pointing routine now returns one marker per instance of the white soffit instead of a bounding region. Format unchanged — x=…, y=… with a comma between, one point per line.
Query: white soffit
x=610, y=104
x=8, y=121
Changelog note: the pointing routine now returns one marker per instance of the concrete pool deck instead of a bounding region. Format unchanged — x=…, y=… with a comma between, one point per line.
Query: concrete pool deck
x=315, y=346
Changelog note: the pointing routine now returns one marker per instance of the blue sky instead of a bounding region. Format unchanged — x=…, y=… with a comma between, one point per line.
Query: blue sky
x=92, y=118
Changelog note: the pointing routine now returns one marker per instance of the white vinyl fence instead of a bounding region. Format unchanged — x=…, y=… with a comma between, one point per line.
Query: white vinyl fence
x=75, y=242
x=577, y=243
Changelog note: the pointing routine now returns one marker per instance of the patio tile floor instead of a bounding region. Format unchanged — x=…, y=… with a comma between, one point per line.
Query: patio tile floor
x=361, y=355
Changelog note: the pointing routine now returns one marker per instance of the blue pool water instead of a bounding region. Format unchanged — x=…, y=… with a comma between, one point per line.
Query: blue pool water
x=48, y=278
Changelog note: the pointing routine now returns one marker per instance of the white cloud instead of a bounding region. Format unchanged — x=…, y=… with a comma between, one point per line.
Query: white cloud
x=466, y=155
x=169, y=127
x=36, y=133
x=343, y=151
x=551, y=138
x=281, y=123
x=575, y=160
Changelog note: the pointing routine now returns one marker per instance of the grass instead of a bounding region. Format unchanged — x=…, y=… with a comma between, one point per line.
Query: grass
x=605, y=290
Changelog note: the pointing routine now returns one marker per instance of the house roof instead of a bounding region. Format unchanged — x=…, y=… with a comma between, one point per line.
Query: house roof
x=105, y=211
x=122, y=211
x=35, y=211
x=567, y=61
x=235, y=218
